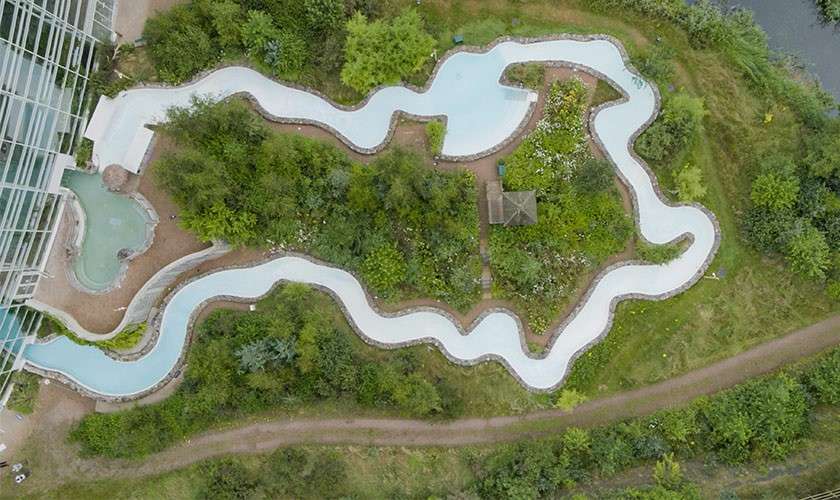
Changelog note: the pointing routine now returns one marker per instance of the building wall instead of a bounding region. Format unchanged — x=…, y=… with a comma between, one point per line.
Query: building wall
x=48, y=50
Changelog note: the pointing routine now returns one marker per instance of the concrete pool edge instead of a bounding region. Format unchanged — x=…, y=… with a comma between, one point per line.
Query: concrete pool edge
x=79, y=233
x=396, y=115
x=142, y=303
x=651, y=177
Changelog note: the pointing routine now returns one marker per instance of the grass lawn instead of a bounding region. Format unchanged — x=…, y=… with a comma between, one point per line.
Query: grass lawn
x=400, y=472
x=756, y=300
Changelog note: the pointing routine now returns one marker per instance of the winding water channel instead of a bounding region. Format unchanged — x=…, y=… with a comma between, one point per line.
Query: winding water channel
x=466, y=87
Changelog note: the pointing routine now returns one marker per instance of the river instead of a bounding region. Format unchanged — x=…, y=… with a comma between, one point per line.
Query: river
x=795, y=27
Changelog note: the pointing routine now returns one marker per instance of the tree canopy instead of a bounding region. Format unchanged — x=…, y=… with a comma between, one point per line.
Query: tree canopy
x=384, y=52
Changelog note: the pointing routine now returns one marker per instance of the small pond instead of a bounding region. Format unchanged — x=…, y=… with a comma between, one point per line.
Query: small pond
x=112, y=223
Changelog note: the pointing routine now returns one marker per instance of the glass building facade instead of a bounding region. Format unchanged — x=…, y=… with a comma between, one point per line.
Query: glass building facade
x=47, y=54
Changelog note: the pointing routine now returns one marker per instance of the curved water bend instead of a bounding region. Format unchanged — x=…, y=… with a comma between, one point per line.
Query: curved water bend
x=497, y=335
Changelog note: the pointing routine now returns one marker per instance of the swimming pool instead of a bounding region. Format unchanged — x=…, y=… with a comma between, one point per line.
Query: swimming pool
x=110, y=223
x=498, y=334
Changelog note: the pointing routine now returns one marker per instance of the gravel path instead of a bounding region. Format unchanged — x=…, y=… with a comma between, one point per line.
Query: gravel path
x=271, y=434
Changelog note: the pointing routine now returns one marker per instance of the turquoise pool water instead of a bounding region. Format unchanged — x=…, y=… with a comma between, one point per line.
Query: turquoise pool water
x=480, y=113
x=112, y=222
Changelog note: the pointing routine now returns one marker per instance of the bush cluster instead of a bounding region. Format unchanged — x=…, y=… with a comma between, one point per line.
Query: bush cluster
x=408, y=229
x=580, y=217
x=529, y=75
x=286, y=473
x=830, y=10
x=435, y=131
x=679, y=123
x=384, y=52
x=25, y=393
x=795, y=205
x=296, y=348
x=281, y=37
x=761, y=420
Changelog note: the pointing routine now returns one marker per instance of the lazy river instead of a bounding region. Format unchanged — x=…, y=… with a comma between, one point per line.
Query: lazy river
x=476, y=122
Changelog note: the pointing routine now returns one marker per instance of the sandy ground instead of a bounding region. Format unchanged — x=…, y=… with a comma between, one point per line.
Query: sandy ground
x=101, y=313
x=58, y=408
x=412, y=135
x=131, y=15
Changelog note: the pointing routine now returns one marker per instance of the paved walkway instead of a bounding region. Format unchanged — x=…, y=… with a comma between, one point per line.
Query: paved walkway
x=271, y=434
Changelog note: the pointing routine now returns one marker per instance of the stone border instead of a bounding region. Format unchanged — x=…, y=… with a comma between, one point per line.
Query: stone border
x=176, y=369
x=136, y=311
x=470, y=49
x=78, y=234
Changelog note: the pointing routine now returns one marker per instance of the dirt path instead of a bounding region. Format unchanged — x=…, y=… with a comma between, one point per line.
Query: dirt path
x=270, y=434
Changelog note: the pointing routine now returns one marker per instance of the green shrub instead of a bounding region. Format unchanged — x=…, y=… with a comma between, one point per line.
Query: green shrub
x=689, y=183
x=774, y=193
x=384, y=269
x=229, y=479
x=823, y=378
x=830, y=10
x=657, y=254
x=295, y=349
x=529, y=75
x=179, y=43
x=677, y=125
x=227, y=18
x=435, y=132
x=763, y=419
x=25, y=393
x=569, y=399
x=384, y=52
x=656, y=63
x=283, y=52
x=84, y=152
x=235, y=180
x=580, y=221
x=125, y=339
x=807, y=251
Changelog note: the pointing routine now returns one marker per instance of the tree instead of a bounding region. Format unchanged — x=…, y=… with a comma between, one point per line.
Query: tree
x=229, y=479
x=221, y=223
x=384, y=269
x=679, y=122
x=324, y=15
x=807, y=251
x=178, y=43
x=283, y=51
x=594, y=176
x=689, y=181
x=774, y=192
x=382, y=52
x=226, y=17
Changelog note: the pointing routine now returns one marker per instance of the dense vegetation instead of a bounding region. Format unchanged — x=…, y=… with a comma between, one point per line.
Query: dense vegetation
x=529, y=75
x=580, y=219
x=830, y=10
x=795, y=209
x=435, y=132
x=752, y=102
x=370, y=52
x=295, y=349
x=284, y=38
x=407, y=229
x=309, y=41
x=25, y=393
x=760, y=422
